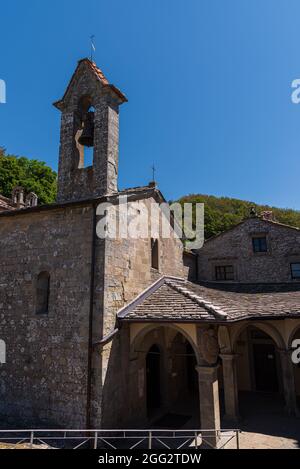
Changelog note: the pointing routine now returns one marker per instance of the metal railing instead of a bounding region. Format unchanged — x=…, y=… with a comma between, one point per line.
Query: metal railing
x=119, y=439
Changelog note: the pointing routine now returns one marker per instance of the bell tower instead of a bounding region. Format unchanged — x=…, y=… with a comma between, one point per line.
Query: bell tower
x=89, y=136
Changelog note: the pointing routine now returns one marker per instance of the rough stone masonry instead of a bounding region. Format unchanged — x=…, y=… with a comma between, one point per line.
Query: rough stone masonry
x=54, y=375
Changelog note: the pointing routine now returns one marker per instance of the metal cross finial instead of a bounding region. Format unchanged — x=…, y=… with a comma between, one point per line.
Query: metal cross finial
x=93, y=48
x=153, y=172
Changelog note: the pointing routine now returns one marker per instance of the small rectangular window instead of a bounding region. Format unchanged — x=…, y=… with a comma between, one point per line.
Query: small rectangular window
x=154, y=254
x=224, y=272
x=295, y=269
x=259, y=244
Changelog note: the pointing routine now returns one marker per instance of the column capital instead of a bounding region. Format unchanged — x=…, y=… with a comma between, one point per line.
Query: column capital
x=206, y=370
x=283, y=350
x=285, y=353
x=228, y=356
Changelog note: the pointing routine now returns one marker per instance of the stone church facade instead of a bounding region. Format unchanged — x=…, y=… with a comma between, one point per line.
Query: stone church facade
x=112, y=333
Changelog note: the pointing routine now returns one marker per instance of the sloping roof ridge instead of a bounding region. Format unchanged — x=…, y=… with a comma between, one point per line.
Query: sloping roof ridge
x=216, y=310
x=6, y=204
x=145, y=294
x=136, y=188
x=6, y=199
x=275, y=222
x=99, y=76
x=94, y=67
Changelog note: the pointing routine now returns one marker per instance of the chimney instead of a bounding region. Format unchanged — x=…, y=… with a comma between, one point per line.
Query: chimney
x=17, y=197
x=31, y=200
x=267, y=215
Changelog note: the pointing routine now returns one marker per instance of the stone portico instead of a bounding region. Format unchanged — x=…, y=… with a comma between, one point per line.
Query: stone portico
x=224, y=331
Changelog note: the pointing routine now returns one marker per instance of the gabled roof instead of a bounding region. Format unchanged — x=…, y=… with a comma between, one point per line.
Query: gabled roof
x=259, y=218
x=169, y=299
x=172, y=299
x=99, y=76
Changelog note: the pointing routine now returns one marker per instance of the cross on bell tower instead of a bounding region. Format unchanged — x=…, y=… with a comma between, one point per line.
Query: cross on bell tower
x=89, y=131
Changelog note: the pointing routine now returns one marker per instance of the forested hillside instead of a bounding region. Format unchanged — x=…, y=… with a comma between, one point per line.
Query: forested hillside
x=222, y=213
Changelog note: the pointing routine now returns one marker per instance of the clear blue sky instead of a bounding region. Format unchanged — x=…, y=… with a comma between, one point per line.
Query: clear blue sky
x=208, y=83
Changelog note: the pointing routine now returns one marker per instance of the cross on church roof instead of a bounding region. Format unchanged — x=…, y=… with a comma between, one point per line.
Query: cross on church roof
x=153, y=172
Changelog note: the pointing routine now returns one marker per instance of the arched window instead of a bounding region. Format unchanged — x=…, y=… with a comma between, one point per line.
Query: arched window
x=42, y=293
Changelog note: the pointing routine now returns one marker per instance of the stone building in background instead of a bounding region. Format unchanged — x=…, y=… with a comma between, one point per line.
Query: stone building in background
x=114, y=332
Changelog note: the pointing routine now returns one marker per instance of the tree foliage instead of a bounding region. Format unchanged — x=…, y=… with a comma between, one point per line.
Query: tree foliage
x=33, y=175
x=222, y=213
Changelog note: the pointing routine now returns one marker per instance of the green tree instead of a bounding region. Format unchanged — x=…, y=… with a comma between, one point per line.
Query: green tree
x=222, y=213
x=33, y=175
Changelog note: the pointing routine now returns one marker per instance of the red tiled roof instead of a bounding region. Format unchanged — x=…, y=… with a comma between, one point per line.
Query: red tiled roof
x=96, y=70
x=99, y=75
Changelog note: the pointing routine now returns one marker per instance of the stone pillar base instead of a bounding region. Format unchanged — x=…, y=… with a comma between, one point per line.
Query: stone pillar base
x=209, y=403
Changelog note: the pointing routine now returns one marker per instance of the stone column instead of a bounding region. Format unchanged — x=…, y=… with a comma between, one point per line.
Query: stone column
x=230, y=387
x=136, y=388
x=209, y=402
x=288, y=381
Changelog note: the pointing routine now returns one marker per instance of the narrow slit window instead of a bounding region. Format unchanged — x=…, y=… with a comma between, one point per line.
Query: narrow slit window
x=42, y=293
x=154, y=254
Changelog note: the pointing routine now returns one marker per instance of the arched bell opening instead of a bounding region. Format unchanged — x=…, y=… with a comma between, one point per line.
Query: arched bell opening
x=84, y=135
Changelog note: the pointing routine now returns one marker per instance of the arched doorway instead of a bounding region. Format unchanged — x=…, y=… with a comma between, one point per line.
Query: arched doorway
x=258, y=368
x=164, y=389
x=265, y=366
x=153, y=381
x=183, y=379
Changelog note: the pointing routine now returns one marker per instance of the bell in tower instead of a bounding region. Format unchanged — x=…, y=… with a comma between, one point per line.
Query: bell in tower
x=86, y=138
x=89, y=123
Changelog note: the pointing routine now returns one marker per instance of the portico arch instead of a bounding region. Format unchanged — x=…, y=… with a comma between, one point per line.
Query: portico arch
x=259, y=353
x=268, y=329
x=140, y=337
x=163, y=363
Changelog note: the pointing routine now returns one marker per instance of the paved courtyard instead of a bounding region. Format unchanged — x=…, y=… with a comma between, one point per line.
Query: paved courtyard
x=264, y=424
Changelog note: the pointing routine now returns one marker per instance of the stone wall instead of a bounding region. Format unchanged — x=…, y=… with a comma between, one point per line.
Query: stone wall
x=190, y=265
x=44, y=381
x=45, y=377
x=127, y=273
x=234, y=247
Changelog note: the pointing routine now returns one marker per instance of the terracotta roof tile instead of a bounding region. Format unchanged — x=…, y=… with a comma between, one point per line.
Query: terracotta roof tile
x=99, y=75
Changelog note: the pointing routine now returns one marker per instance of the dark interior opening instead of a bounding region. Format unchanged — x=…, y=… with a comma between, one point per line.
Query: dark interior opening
x=153, y=379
